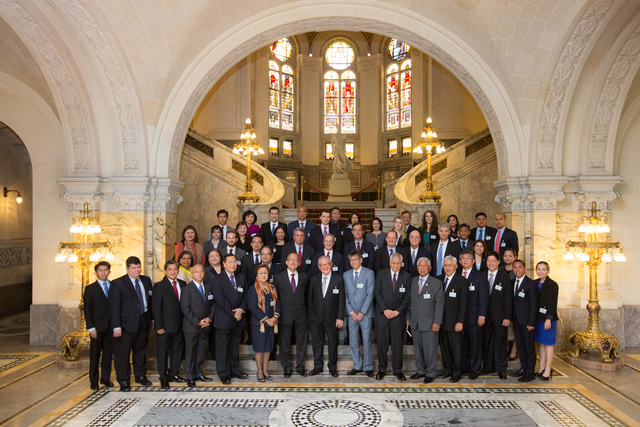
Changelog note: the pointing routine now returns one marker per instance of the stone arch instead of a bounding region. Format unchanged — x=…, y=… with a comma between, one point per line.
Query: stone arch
x=426, y=35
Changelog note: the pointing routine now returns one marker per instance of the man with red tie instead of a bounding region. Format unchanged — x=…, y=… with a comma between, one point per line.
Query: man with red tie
x=505, y=237
x=365, y=248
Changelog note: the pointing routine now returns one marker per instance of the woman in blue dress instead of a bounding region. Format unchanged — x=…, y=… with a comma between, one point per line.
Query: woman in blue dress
x=264, y=306
x=547, y=322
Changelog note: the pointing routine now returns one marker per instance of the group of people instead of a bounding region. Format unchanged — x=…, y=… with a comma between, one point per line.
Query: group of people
x=441, y=284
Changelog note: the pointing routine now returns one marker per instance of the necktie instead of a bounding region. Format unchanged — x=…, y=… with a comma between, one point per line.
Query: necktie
x=355, y=277
x=358, y=246
x=464, y=273
x=230, y=251
x=140, y=297
x=299, y=254
x=393, y=282
x=496, y=246
x=446, y=284
x=293, y=282
x=175, y=288
x=491, y=280
x=329, y=254
x=481, y=234
x=273, y=229
x=201, y=291
x=302, y=225
x=324, y=230
x=413, y=257
x=233, y=282
x=440, y=258
x=257, y=261
x=464, y=246
x=106, y=289
x=420, y=287
x=515, y=294
x=324, y=285
x=390, y=252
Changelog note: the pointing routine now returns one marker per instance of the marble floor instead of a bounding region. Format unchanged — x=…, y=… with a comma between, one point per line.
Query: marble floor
x=36, y=390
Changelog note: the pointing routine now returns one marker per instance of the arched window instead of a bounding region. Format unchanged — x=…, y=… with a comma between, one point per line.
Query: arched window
x=398, y=88
x=339, y=90
x=281, y=86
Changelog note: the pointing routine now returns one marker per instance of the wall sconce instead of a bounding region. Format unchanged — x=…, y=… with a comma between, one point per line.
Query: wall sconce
x=18, y=197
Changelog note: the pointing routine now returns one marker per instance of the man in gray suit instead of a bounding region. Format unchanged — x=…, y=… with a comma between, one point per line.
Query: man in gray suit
x=425, y=317
x=359, y=286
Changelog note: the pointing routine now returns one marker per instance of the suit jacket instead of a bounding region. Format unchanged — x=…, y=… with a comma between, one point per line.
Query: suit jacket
x=326, y=308
x=208, y=246
x=195, y=308
x=96, y=307
x=166, y=305
x=273, y=270
x=366, y=250
x=525, y=302
x=238, y=252
x=249, y=265
x=226, y=299
x=382, y=258
x=316, y=239
x=456, y=298
x=308, y=226
x=426, y=307
x=124, y=306
x=478, y=296
x=265, y=232
x=307, y=255
x=453, y=249
x=388, y=299
x=489, y=235
x=293, y=305
x=341, y=228
x=336, y=258
x=469, y=244
x=359, y=299
x=500, y=298
x=410, y=229
x=422, y=252
x=508, y=239
x=547, y=300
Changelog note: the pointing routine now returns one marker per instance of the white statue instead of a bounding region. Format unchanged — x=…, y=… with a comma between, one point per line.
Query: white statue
x=341, y=163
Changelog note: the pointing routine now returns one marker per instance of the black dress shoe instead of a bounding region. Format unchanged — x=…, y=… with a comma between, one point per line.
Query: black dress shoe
x=380, y=375
x=445, y=375
x=125, y=387
x=526, y=378
x=334, y=374
x=454, y=379
x=502, y=376
x=107, y=383
x=354, y=371
x=225, y=380
x=143, y=381
x=315, y=372
x=301, y=372
x=428, y=380
x=95, y=387
x=177, y=379
x=517, y=374
x=369, y=373
x=191, y=383
x=164, y=385
x=240, y=376
x=543, y=378
x=287, y=374
x=400, y=376
x=204, y=379
x=473, y=376
x=417, y=376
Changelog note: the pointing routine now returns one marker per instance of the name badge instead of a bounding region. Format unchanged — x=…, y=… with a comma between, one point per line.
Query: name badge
x=309, y=234
x=543, y=310
x=402, y=290
x=271, y=280
x=308, y=261
x=240, y=290
x=503, y=244
x=365, y=255
x=498, y=287
x=360, y=285
x=472, y=288
x=239, y=262
x=403, y=264
x=210, y=297
x=452, y=294
x=375, y=248
x=275, y=250
x=272, y=303
x=521, y=294
x=335, y=268
x=433, y=237
x=427, y=296
x=342, y=232
x=336, y=291
x=150, y=292
x=487, y=237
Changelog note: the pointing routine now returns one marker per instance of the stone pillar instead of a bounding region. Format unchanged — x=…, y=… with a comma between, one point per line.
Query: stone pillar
x=368, y=85
x=310, y=92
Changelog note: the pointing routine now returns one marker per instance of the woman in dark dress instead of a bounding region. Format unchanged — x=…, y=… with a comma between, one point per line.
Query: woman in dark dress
x=547, y=322
x=453, y=223
x=264, y=306
x=244, y=241
x=280, y=239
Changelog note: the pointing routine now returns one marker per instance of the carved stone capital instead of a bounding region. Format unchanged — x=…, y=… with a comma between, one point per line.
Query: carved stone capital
x=164, y=195
x=78, y=191
x=530, y=194
x=584, y=190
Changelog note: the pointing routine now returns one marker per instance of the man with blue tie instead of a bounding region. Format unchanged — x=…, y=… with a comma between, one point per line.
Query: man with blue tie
x=463, y=237
x=443, y=247
x=359, y=286
x=383, y=255
x=482, y=231
x=525, y=311
x=96, y=314
x=268, y=229
x=301, y=222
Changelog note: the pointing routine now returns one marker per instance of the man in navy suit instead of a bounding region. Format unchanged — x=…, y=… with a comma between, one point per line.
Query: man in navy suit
x=266, y=256
x=329, y=250
x=339, y=228
x=268, y=228
x=482, y=231
x=406, y=221
x=252, y=259
x=320, y=232
x=96, y=314
x=416, y=251
x=223, y=216
x=443, y=247
x=130, y=315
x=228, y=319
x=505, y=237
x=464, y=232
x=300, y=248
x=365, y=248
x=525, y=311
x=168, y=324
x=301, y=222
x=383, y=254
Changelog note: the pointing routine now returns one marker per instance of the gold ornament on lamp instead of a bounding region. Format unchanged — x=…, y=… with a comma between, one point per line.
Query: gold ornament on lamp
x=248, y=146
x=427, y=142
x=83, y=250
x=593, y=250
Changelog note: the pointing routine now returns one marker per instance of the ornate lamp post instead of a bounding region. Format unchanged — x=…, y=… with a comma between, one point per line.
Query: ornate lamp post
x=83, y=250
x=593, y=250
x=248, y=146
x=427, y=142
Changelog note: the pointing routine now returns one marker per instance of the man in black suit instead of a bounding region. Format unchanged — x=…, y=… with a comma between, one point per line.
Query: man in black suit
x=223, y=216
x=416, y=251
x=130, y=315
x=268, y=228
x=391, y=303
x=96, y=314
x=231, y=248
x=252, y=259
x=383, y=254
x=525, y=311
x=358, y=244
x=476, y=315
x=329, y=250
x=505, y=238
x=266, y=256
x=339, y=228
x=168, y=324
x=406, y=221
x=292, y=288
x=326, y=302
x=229, y=306
x=456, y=295
x=300, y=248
x=320, y=232
x=482, y=231
x=463, y=237
x=443, y=247
x=301, y=222
x=498, y=318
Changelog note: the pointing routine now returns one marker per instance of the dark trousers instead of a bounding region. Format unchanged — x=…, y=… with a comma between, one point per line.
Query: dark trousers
x=285, y=333
x=394, y=335
x=525, y=340
x=102, y=345
x=195, y=345
x=451, y=352
x=495, y=348
x=227, y=351
x=169, y=347
x=318, y=332
x=472, y=348
x=212, y=343
x=134, y=343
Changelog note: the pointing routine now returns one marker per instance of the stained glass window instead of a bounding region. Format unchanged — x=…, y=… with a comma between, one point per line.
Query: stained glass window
x=282, y=49
x=405, y=94
x=406, y=146
x=393, y=147
x=398, y=89
x=393, y=90
x=273, y=147
x=281, y=87
x=287, y=148
x=340, y=102
x=339, y=55
x=398, y=50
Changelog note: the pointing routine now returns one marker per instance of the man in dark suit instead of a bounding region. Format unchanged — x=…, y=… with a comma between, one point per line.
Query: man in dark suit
x=358, y=244
x=498, y=318
x=168, y=324
x=268, y=228
x=476, y=315
x=300, y=248
x=96, y=314
x=416, y=251
x=329, y=250
x=391, y=303
x=406, y=221
x=326, y=302
x=339, y=228
x=463, y=237
x=525, y=311
x=131, y=319
x=301, y=222
x=252, y=259
x=196, y=303
x=266, y=256
x=291, y=286
x=482, y=231
x=456, y=295
x=443, y=247
x=229, y=306
x=223, y=216
x=231, y=248
x=505, y=238
x=320, y=232
x=383, y=254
